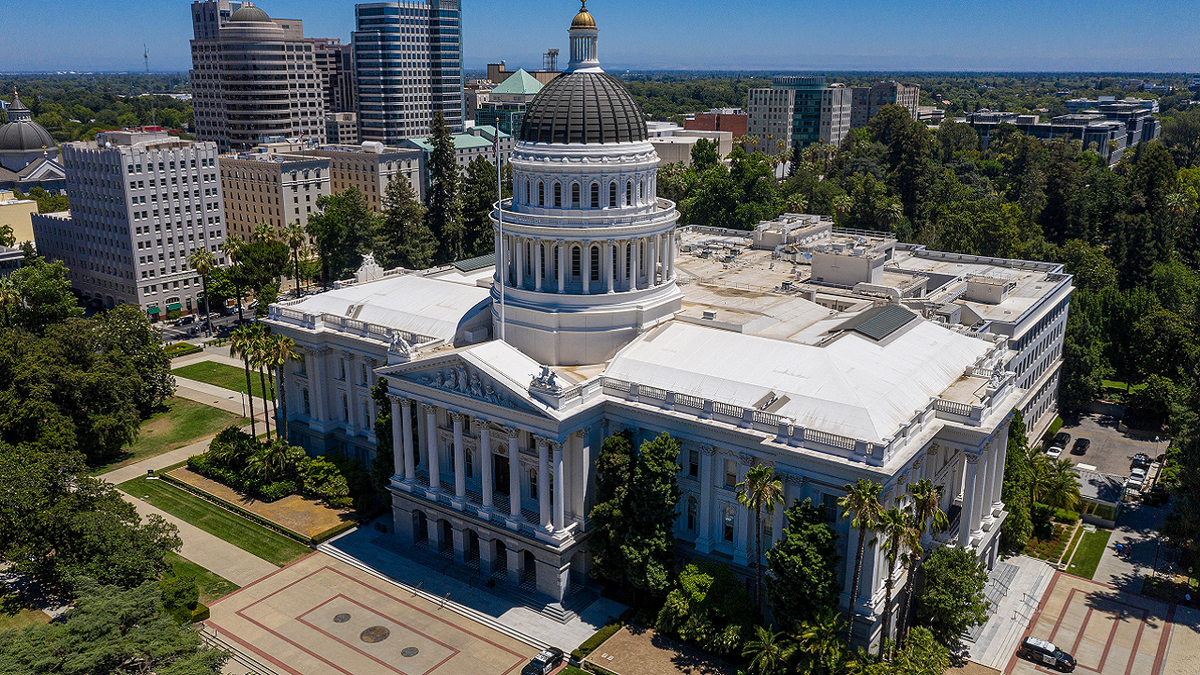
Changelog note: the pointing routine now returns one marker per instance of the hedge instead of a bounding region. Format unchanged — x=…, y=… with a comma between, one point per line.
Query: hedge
x=182, y=349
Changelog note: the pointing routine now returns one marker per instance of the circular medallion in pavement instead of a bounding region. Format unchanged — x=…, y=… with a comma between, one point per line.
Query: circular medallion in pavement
x=341, y=618
x=375, y=634
x=409, y=652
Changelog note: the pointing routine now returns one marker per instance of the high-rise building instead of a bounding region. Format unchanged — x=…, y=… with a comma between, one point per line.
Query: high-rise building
x=408, y=65
x=141, y=203
x=271, y=185
x=335, y=67
x=800, y=110
x=868, y=101
x=253, y=78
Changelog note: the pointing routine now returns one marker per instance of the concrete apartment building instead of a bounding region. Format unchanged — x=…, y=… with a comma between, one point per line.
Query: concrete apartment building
x=408, y=65
x=866, y=102
x=370, y=167
x=141, y=202
x=733, y=120
x=341, y=128
x=272, y=186
x=800, y=110
x=253, y=78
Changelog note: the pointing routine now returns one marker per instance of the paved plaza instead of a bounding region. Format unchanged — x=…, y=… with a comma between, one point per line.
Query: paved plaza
x=1109, y=632
x=320, y=616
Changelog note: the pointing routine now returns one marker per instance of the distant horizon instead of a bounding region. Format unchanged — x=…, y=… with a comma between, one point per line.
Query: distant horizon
x=1028, y=36
x=715, y=71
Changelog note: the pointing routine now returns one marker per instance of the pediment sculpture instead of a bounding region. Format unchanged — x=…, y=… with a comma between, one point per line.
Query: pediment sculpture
x=458, y=379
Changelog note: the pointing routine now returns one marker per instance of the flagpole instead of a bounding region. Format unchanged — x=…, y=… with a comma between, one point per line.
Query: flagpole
x=502, y=273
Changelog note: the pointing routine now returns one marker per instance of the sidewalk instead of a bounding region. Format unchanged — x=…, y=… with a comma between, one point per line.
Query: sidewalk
x=1183, y=654
x=1003, y=632
x=219, y=397
x=1137, y=526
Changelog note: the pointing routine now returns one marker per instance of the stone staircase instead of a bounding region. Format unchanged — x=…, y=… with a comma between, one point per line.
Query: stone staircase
x=997, y=586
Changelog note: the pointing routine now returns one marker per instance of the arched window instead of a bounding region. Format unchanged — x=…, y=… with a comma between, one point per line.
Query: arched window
x=629, y=193
x=628, y=259
x=528, y=192
x=575, y=195
x=558, y=194
x=595, y=203
x=576, y=263
x=612, y=193
x=595, y=259
x=541, y=193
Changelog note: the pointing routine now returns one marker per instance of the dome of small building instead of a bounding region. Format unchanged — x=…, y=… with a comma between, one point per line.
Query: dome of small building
x=584, y=107
x=248, y=13
x=22, y=134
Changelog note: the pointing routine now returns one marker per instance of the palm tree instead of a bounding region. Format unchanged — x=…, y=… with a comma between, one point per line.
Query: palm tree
x=861, y=503
x=232, y=246
x=9, y=296
x=893, y=524
x=262, y=233
x=241, y=343
x=842, y=205
x=768, y=652
x=282, y=349
x=259, y=358
x=204, y=262
x=796, y=203
x=889, y=215
x=1039, y=475
x=1062, y=483
x=817, y=638
x=272, y=461
x=925, y=506
x=912, y=542
x=760, y=490
x=295, y=238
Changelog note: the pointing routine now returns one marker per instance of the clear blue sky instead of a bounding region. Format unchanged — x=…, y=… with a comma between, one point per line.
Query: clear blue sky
x=1087, y=35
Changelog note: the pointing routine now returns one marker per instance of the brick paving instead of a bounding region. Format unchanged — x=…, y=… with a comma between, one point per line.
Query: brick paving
x=641, y=651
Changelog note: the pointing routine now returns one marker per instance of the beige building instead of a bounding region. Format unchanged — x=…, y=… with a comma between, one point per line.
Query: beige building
x=342, y=128
x=276, y=188
x=17, y=214
x=868, y=101
x=370, y=167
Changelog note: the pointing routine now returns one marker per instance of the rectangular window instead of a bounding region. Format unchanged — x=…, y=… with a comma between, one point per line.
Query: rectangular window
x=728, y=524
x=345, y=409
x=692, y=511
x=730, y=473
x=307, y=406
x=694, y=463
x=829, y=504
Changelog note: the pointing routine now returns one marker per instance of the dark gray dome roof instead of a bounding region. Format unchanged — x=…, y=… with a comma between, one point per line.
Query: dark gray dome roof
x=584, y=108
x=22, y=133
x=250, y=13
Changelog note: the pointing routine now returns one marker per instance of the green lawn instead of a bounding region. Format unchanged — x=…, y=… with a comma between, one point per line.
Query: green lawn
x=211, y=586
x=15, y=613
x=1074, y=542
x=183, y=422
x=249, y=536
x=221, y=375
x=1122, y=386
x=1087, y=554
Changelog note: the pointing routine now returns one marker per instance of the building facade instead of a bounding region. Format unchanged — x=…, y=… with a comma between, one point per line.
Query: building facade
x=29, y=156
x=276, y=188
x=800, y=110
x=370, y=167
x=1107, y=137
x=256, y=80
x=17, y=214
x=141, y=203
x=408, y=65
x=477, y=142
x=733, y=120
x=342, y=128
x=504, y=106
x=868, y=101
x=335, y=68
x=504, y=379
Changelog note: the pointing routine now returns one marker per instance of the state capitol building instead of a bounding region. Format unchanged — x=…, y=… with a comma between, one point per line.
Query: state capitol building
x=829, y=355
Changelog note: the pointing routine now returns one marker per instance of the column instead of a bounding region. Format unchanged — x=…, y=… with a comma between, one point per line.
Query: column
x=410, y=470
x=671, y=253
x=520, y=261
x=968, y=524
x=999, y=458
x=664, y=248
x=543, y=484
x=485, y=456
x=651, y=264
x=537, y=266
x=635, y=263
x=501, y=263
x=984, y=487
x=586, y=277
x=560, y=497
x=398, y=446
x=514, y=480
x=435, y=479
x=608, y=251
x=317, y=391
x=704, y=526
x=562, y=268
x=621, y=266
x=460, y=468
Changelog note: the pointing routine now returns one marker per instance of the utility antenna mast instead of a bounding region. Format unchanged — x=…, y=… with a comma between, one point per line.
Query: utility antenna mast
x=146, y=58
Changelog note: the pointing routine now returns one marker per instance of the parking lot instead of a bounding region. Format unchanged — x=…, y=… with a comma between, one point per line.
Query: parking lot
x=1111, y=451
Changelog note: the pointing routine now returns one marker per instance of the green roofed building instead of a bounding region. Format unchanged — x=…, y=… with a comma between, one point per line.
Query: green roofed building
x=505, y=107
x=476, y=142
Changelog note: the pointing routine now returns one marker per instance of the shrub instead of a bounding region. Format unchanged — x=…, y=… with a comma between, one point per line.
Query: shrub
x=708, y=607
x=1065, y=516
x=1040, y=515
x=324, y=480
x=181, y=349
x=178, y=592
x=276, y=491
x=589, y=645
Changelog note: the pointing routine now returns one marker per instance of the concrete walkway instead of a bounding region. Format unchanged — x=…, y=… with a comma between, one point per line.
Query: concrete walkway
x=1183, y=654
x=219, y=397
x=118, y=476
x=998, y=640
x=1137, y=526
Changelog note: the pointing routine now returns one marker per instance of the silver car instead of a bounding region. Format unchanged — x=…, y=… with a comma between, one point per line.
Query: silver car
x=1137, y=479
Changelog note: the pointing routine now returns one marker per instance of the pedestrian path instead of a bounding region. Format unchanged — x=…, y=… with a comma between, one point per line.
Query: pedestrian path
x=1138, y=527
x=219, y=397
x=1013, y=606
x=118, y=476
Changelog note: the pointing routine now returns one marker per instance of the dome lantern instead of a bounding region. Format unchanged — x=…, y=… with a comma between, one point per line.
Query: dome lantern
x=584, y=38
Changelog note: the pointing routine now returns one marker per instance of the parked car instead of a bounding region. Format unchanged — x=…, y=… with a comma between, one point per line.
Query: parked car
x=187, y=320
x=1062, y=439
x=1045, y=653
x=1081, y=446
x=1137, y=479
x=1141, y=461
x=545, y=662
x=1054, y=452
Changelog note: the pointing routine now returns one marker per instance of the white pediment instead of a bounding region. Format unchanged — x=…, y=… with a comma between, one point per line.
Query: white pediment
x=461, y=376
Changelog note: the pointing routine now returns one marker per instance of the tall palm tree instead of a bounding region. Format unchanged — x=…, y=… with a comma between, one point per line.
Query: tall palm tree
x=818, y=639
x=272, y=461
x=259, y=357
x=262, y=233
x=842, y=205
x=759, y=491
x=295, y=237
x=768, y=652
x=861, y=504
x=282, y=349
x=1039, y=475
x=204, y=262
x=241, y=343
x=912, y=542
x=1062, y=483
x=9, y=296
x=893, y=524
x=925, y=507
x=232, y=246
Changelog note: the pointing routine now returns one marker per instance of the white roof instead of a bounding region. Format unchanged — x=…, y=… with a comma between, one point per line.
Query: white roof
x=504, y=362
x=409, y=302
x=852, y=386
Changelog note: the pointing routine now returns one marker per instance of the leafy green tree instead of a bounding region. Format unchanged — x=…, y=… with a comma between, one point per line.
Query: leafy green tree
x=922, y=654
x=444, y=198
x=953, y=600
x=478, y=196
x=759, y=491
x=804, y=567
x=383, y=467
x=705, y=154
x=111, y=630
x=127, y=330
x=339, y=233
x=1181, y=135
x=708, y=607
x=861, y=505
x=649, y=542
x=614, y=470
x=769, y=652
x=46, y=297
x=403, y=238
